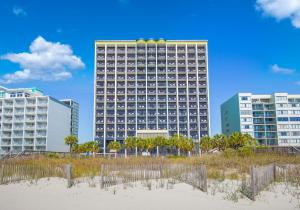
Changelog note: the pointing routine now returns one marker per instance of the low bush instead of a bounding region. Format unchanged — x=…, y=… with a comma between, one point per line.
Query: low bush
x=245, y=151
x=52, y=155
x=229, y=153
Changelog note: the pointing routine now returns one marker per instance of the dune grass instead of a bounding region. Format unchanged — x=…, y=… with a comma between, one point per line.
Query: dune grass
x=218, y=166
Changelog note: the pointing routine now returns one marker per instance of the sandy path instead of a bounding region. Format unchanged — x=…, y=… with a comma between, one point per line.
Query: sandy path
x=53, y=195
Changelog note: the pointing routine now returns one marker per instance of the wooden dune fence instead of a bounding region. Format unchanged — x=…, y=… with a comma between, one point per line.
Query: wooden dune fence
x=288, y=173
x=114, y=174
x=262, y=177
x=14, y=172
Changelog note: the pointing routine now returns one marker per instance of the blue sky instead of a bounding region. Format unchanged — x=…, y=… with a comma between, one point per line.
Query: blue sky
x=254, y=45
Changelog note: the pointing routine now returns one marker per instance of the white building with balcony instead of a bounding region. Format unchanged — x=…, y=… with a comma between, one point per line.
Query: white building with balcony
x=29, y=120
x=271, y=119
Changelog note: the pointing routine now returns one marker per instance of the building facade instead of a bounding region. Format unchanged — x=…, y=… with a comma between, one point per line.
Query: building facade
x=74, y=115
x=150, y=85
x=29, y=120
x=271, y=119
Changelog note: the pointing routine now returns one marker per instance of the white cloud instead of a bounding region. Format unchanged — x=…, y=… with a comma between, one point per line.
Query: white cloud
x=18, y=11
x=281, y=9
x=279, y=70
x=46, y=61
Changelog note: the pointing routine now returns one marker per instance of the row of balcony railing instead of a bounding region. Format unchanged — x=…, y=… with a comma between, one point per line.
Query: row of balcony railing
x=151, y=77
x=130, y=107
x=159, y=57
x=151, y=64
x=150, y=70
x=133, y=99
x=150, y=50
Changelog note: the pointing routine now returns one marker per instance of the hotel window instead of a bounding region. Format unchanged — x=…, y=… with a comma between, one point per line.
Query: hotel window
x=244, y=98
x=295, y=133
x=283, y=119
x=281, y=98
x=295, y=112
x=294, y=118
x=284, y=133
x=243, y=105
x=284, y=141
x=246, y=119
x=295, y=126
x=246, y=112
x=246, y=126
x=282, y=105
x=282, y=112
x=283, y=126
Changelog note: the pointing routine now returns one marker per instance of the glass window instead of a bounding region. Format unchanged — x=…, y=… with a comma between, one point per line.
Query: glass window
x=294, y=118
x=244, y=98
x=283, y=119
x=281, y=98
x=246, y=112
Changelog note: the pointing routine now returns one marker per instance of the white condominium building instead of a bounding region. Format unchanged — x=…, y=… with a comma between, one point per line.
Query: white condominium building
x=30, y=120
x=271, y=119
x=151, y=86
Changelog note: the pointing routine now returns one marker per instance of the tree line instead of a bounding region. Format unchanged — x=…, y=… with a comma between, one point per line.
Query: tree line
x=135, y=144
x=220, y=142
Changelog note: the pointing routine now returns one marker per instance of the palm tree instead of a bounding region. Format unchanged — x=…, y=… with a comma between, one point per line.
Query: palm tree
x=170, y=143
x=71, y=140
x=149, y=144
x=93, y=147
x=189, y=145
x=75, y=148
x=159, y=141
x=178, y=140
x=130, y=144
x=205, y=143
x=219, y=141
x=115, y=146
x=236, y=140
x=249, y=140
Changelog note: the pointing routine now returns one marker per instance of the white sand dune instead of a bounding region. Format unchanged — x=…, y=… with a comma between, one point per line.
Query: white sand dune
x=52, y=194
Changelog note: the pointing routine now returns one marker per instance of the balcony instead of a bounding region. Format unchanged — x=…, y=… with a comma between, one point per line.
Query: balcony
x=43, y=119
x=8, y=113
x=41, y=134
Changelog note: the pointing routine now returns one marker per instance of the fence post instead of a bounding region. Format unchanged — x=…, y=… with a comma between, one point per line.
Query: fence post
x=203, y=167
x=274, y=171
x=1, y=173
x=160, y=170
x=253, y=182
x=102, y=176
x=68, y=169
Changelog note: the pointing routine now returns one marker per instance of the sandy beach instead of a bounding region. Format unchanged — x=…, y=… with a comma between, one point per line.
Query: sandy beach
x=52, y=194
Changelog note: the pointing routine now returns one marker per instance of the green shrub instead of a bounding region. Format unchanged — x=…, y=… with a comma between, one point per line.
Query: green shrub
x=52, y=155
x=175, y=156
x=228, y=153
x=216, y=174
x=233, y=176
x=246, y=151
x=262, y=147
